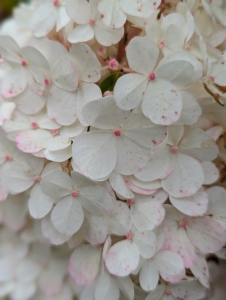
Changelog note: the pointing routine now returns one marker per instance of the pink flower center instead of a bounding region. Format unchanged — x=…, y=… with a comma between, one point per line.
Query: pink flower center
x=56, y=2
x=34, y=124
x=183, y=224
x=107, y=93
x=37, y=178
x=211, y=79
x=24, y=63
x=128, y=236
x=117, y=132
x=152, y=76
x=55, y=131
x=74, y=194
x=187, y=47
x=8, y=157
x=91, y=21
x=130, y=201
x=169, y=293
x=161, y=44
x=47, y=81
x=174, y=149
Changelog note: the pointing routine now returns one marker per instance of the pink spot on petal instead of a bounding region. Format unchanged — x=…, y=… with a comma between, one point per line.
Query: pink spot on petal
x=8, y=157
x=174, y=149
x=47, y=81
x=37, y=178
x=74, y=194
x=55, y=131
x=117, y=132
x=161, y=44
x=183, y=224
x=211, y=79
x=91, y=21
x=24, y=63
x=128, y=236
x=169, y=293
x=107, y=93
x=130, y=201
x=34, y=125
x=56, y=2
x=152, y=76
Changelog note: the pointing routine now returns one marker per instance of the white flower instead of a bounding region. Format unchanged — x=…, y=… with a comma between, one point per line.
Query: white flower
x=90, y=24
x=125, y=137
x=29, y=68
x=47, y=15
x=158, y=90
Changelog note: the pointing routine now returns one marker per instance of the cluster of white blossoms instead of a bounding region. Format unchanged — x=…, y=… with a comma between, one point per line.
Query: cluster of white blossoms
x=112, y=149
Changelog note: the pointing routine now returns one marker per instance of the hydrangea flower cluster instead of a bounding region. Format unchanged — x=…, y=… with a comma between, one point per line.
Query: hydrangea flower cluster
x=112, y=149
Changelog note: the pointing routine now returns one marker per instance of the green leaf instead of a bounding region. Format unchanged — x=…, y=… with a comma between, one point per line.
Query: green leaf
x=109, y=82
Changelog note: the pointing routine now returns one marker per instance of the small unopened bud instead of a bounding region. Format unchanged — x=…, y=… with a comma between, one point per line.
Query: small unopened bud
x=107, y=93
x=113, y=64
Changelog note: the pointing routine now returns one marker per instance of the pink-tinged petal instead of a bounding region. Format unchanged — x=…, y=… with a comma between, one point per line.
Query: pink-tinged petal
x=193, y=206
x=188, y=289
x=32, y=141
x=186, y=178
x=118, y=184
x=149, y=185
x=149, y=275
x=162, y=103
x=200, y=270
x=137, y=189
x=84, y=264
x=141, y=8
x=14, y=83
x=142, y=55
x=170, y=265
x=206, y=234
x=113, y=16
x=67, y=216
x=51, y=234
x=122, y=258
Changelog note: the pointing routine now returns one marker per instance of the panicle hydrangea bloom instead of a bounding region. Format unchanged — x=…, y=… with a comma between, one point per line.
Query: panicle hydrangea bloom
x=112, y=149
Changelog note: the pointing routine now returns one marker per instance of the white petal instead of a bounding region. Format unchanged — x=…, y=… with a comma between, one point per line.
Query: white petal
x=195, y=205
x=104, y=114
x=179, y=73
x=58, y=156
x=14, y=83
x=64, y=74
x=3, y=191
x=96, y=200
x=141, y=8
x=145, y=241
x=113, y=16
x=81, y=33
x=107, y=288
x=59, y=143
x=79, y=11
x=51, y=234
x=149, y=276
x=43, y=19
x=186, y=178
x=87, y=64
x=147, y=214
x=142, y=55
x=39, y=204
x=84, y=264
x=206, y=234
x=190, y=289
x=120, y=220
x=157, y=293
x=200, y=270
x=107, y=36
x=62, y=18
x=138, y=190
x=191, y=111
x=56, y=184
x=94, y=229
x=17, y=178
x=126, y=286
x=211, y=173
x=169, y=264
x=163, y=163
x=162, y=103
x=91, y=152
x=118, y=184
x=67, y=216
x=130, y=156
x=122, y=258
x=129, y=90
x=86, y=93
x=62, y=106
